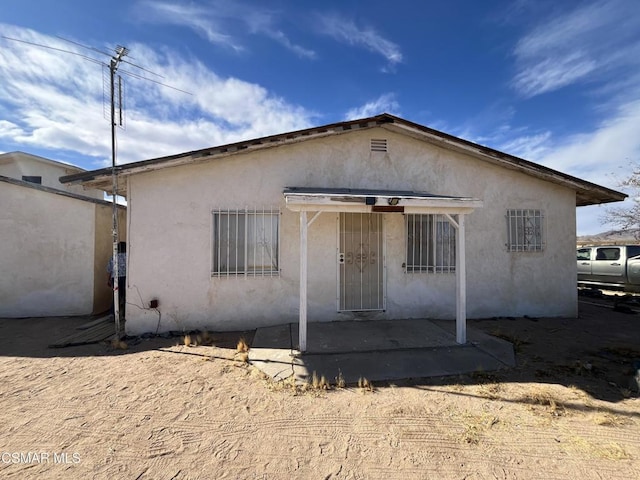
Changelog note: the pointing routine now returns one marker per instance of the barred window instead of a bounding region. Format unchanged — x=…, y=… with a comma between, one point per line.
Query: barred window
x=245, y=242
x=431, y=244
x=525, y=231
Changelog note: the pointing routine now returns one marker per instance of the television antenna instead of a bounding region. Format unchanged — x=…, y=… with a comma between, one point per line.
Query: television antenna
x=117, y=57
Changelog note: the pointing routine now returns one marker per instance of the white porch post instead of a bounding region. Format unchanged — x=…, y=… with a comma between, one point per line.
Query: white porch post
x=461, y=285
x=302, y=328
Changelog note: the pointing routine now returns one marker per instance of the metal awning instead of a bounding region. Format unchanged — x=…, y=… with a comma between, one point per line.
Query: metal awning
x=300, y=199
x=319, y=200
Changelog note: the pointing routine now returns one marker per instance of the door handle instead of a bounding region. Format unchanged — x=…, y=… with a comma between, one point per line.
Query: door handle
x=584, y=263
x=616, y=264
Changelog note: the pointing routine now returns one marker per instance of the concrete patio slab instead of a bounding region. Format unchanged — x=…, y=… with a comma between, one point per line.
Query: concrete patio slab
x=377, y=350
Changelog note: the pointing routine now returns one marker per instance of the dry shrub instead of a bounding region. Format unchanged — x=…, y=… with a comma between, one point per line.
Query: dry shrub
x=242, y=346
x=542, y=396
x=610, y=420
x=242, y=357
x=340, y=382
x=491, y=390
x=475, y=425
x=608, y=451
x=365, y=385
x=315, y=381
x=187, y=340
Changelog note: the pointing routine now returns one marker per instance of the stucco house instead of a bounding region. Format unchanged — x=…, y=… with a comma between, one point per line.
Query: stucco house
x=56, y=240
x=377, y=218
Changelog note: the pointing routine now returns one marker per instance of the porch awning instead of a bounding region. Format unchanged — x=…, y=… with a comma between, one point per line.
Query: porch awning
x=319, y=200
x=300, y=199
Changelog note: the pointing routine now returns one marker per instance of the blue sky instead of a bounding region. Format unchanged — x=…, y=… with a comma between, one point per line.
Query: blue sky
x=554, y=82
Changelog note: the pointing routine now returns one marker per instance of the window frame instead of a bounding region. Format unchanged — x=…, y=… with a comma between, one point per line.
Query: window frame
x=241, y=260
x=436, y=247
x=603, y=255
x=517, y=219
x=586, y=250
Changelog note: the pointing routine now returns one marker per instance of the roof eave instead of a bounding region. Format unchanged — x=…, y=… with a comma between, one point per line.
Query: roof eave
x=586, y=193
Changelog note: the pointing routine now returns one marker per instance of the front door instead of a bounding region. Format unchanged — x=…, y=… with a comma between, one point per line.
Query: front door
x=360, y=258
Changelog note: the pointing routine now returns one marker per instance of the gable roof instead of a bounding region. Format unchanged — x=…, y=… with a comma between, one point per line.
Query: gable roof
x=18, y=156
x=587, y=193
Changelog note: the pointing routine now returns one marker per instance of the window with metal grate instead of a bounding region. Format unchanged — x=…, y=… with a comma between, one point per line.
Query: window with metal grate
x=525, y=230
x=430, y=244
x=245, y=242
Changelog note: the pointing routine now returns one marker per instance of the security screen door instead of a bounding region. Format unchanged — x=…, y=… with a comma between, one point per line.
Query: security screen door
x=361, y=262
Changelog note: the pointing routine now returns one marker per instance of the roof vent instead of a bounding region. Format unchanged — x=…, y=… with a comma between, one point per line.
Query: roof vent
x=378, y=144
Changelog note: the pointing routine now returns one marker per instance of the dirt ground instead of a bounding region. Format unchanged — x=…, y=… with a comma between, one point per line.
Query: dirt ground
x=160, y=410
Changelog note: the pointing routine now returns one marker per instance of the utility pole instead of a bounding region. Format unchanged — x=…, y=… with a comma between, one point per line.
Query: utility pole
x=116, y=59
x=113, y=67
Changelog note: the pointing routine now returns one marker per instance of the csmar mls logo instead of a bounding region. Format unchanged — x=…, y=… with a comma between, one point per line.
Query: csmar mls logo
x=40, y=457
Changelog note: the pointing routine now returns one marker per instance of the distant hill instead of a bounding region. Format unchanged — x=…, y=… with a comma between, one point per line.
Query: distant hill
x=612, y=237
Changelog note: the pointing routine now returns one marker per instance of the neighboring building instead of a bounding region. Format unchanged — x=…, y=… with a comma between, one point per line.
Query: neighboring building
x=413, y=223
x=56, y=240
x=43, y=171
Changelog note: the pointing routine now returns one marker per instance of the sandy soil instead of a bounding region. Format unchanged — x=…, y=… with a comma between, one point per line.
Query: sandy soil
x=162, y=411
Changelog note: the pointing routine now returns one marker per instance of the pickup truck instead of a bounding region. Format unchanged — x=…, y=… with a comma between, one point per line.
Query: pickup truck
x=615, y=267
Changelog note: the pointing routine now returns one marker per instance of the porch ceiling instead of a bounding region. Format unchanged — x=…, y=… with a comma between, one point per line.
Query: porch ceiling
x=372, y=200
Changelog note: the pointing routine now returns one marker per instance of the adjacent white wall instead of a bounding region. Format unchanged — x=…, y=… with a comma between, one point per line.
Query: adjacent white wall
x=19, y=164
x=170, y=236
x=47, y=253
x=54, y=253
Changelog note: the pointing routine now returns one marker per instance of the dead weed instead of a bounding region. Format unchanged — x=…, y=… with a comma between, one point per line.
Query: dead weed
x=552, y=404
x=607, y=451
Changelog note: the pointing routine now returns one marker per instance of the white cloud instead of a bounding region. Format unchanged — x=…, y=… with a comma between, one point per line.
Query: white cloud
x=603, y=156
x=218, y=20
x=281, y=38
x=263, y=22
x=530, y=147
x=385, y=103
x=197, y=18
x=347, y=31
x=58, y=105
x=595, y=155
x=9, y=129
x=585, y=44
x=595, y=44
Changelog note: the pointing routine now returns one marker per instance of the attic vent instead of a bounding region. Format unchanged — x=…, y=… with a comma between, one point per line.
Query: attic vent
x=378, y=144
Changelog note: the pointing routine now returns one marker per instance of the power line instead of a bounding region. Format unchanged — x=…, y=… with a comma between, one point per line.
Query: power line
x=54, y=48
x=83, y=46
x=99, y=62
x=108, y=54
x=134, y=75
x=113, y=65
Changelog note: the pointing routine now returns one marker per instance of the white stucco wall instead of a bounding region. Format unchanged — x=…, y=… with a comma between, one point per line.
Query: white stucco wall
x=170, y=236
x=47, y=253
x=19, y=164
